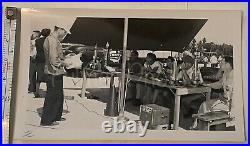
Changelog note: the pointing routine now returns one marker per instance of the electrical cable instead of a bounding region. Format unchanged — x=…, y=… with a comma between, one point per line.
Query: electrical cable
x=91, y=111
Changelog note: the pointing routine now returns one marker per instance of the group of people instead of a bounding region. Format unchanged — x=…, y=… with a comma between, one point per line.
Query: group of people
x=214, y=60
x=178, y=70
x=47, y=64
x=37, y=61
x=182, y=74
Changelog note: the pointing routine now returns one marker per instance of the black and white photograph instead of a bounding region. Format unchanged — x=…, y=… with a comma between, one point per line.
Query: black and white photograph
x=130, y=75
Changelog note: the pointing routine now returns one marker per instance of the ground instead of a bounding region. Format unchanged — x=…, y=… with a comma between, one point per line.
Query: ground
x=83, y=116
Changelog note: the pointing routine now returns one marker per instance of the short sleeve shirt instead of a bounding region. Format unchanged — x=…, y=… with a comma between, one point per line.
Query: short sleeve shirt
x=213, y=59
x=156, y=64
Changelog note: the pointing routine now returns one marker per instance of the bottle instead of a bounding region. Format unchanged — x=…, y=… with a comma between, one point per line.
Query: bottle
x=196, y=73
x=174, y=70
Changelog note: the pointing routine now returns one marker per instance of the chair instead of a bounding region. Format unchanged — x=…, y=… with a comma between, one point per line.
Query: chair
x=215, y=118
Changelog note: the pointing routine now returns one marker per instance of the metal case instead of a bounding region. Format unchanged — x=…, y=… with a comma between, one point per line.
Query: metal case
x=155, y=114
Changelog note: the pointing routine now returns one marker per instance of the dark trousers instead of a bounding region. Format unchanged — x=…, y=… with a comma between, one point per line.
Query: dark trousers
x=53, y=104
x=40, y=75
x=32, y=75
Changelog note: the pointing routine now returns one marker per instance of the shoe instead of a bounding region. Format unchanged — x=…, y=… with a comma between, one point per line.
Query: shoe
x=51, y=124
x=194, y=125
x=37, y=95
x=193, y=128
x=31, y=91
x=62, y=119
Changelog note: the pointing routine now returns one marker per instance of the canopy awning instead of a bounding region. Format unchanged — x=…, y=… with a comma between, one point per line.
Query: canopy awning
x=97, y=31
x=143, y=34
x=162, y=34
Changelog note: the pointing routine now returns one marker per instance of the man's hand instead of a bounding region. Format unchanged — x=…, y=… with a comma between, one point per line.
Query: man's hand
x=66, y=64
x=207, y=85
x=33, y=57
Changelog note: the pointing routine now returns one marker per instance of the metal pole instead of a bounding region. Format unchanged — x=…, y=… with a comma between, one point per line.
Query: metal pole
x=124, y=58
x=84, y=83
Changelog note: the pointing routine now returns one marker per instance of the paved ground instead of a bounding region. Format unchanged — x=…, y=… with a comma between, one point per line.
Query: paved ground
x=83, y=116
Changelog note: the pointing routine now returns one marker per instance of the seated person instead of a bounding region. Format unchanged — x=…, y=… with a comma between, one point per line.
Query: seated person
x=172, y=69
x=186, y=71
x=186, y=75
x=135, y=66
x=226, y=102
x=169, y=65
x=152, y=68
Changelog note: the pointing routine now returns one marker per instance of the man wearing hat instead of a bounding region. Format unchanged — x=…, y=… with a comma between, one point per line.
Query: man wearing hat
x=54, y=68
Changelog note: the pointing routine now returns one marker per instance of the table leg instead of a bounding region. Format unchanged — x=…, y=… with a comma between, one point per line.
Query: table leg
x=112, y=78
x=177, y=111
x=203, y=125
x=147, y=98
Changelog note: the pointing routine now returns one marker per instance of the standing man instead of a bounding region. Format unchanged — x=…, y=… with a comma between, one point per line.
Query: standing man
x=32, y=68
x=54, y=68
x=40, y=60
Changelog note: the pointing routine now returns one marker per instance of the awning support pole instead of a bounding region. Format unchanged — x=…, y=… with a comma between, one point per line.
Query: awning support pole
x=124, y=58
x=84, y=83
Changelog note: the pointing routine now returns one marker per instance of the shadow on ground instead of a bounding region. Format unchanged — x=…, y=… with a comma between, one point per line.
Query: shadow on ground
x=39, y=111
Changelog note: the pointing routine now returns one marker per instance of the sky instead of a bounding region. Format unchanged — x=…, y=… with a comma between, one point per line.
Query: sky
x=218, y=30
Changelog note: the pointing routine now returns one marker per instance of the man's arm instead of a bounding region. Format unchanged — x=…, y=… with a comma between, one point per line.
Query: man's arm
x=186, y=79
x=154, y=69
x=157, y=65
x=215, y=85
x=33, y=49
x=179, y=75
x=200, y=77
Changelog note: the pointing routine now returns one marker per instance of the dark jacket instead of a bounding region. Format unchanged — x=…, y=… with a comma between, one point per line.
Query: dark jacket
x=40, y=58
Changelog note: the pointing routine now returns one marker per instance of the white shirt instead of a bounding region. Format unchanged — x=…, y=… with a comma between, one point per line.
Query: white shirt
x=205, y=59
x=73, y=61
x=188, y=53
x=190, y=72
x=213, y=59
x=220, y=58
x=33, y=48
x=156, y=64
